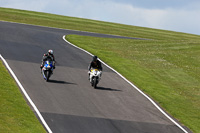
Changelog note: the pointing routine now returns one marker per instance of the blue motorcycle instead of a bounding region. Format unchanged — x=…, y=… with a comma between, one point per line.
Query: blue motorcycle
x=47, y=70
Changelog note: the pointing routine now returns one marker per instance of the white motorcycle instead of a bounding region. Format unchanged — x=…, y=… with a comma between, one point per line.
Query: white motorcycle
x=95, y=77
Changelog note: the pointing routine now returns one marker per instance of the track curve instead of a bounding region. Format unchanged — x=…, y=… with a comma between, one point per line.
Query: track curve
x=68, y=103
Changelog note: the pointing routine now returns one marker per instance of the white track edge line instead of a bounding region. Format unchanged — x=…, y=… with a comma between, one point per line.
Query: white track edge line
x=41, y=26
x=26, y=94
x=62, y=29
x=133, y=87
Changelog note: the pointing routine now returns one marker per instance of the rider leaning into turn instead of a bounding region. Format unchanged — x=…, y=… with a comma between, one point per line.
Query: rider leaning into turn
x=48, y=56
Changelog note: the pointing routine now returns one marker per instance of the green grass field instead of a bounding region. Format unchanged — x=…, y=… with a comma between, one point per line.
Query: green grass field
x=165, y=67
x=168, y=71
x=15, y=115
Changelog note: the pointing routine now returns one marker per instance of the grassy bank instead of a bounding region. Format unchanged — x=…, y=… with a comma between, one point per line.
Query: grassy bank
x=15, y=115
x=166, y=70
x=166, y=67
x=52, y=20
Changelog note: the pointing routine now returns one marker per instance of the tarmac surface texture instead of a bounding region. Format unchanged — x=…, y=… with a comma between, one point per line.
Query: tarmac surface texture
x=68, y=102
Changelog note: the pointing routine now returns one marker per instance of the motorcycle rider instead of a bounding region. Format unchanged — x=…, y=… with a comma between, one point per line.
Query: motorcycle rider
x=48, y=56
x=95, y=64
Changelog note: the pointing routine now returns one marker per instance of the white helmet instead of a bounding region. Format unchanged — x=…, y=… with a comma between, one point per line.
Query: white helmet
x=50, y=51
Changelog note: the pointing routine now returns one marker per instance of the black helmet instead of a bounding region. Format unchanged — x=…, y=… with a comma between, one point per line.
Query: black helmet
x=95, y=58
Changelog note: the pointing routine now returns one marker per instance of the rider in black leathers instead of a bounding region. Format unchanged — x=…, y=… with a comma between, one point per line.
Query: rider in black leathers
x=48, y=56
x=96, y=64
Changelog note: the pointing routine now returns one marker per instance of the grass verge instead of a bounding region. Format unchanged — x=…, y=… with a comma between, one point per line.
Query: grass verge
x=166, y=70
x=15, y=115
x=58, y=21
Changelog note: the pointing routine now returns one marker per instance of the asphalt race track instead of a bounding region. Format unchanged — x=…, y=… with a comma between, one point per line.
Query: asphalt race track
x=68, y=103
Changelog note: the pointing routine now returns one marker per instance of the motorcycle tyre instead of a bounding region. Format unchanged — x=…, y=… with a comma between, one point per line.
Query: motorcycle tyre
x=47, y=75
x=95, y=83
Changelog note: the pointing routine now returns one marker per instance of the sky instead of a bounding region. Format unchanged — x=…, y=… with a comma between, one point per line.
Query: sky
x=174, y=15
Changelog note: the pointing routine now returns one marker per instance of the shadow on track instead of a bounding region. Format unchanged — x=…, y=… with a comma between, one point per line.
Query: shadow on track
x=60, y=82
x=107, y=89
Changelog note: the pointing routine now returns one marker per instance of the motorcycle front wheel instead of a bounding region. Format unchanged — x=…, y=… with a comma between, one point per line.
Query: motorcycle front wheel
x=47, y=75
x=95, y=83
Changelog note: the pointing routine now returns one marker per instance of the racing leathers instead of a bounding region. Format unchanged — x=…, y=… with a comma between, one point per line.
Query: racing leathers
x=49, y=57
x=96, y=65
